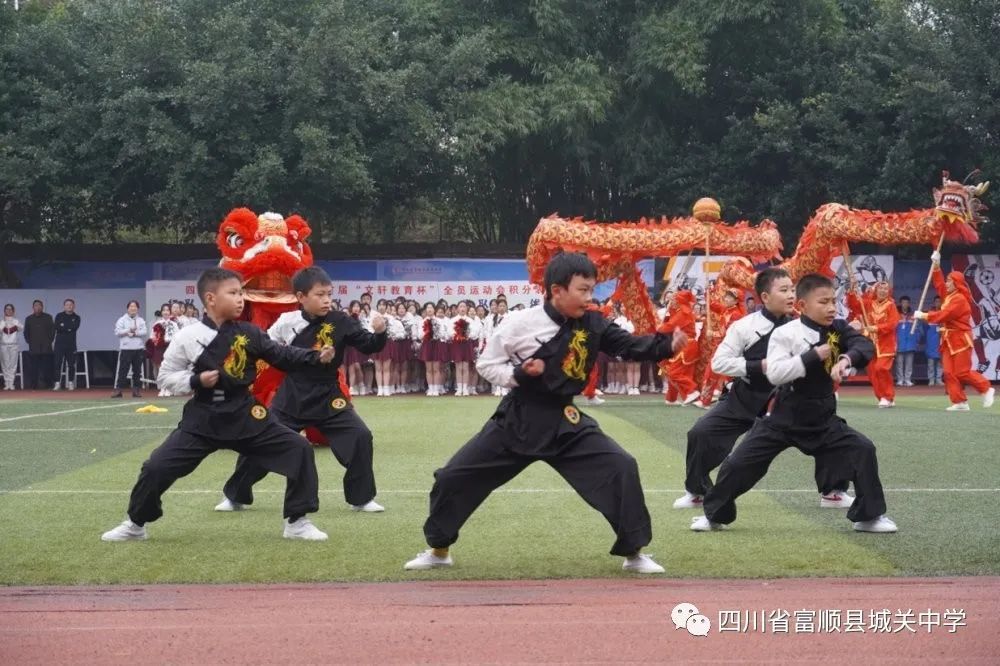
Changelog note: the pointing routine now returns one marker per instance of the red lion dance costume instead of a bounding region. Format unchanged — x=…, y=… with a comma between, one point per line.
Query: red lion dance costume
x=267, y=250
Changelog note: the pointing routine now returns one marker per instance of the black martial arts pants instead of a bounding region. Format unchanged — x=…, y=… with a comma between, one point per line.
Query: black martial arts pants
x=713, y=437
x=349, y=439
x=600, y=470
x=837, y=447
x=276, y=449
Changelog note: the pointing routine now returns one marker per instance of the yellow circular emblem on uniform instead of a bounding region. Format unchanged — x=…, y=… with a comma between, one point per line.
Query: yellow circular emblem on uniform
x=572, y=414
x=338, y=403
x=259, y=412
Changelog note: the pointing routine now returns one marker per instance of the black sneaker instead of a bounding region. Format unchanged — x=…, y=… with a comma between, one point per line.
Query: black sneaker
x=116, y=394
x=136, y=393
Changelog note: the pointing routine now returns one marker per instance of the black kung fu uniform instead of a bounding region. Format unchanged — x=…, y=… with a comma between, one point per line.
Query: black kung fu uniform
x=713, y=436
x=538, y=421
x=312, y=397
x=226, y=416
x=804, y=415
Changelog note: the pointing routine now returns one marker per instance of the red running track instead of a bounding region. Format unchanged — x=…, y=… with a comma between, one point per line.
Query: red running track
x=571, y=621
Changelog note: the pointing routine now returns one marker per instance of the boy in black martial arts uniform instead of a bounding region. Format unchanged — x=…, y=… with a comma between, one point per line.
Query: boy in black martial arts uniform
x=741, y=355
x=312, y=396
x=217, y=359
x=804, y=359
x=544, y=355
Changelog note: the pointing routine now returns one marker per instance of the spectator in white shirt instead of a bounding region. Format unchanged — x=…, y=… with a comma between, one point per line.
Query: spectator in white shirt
x=131, y=332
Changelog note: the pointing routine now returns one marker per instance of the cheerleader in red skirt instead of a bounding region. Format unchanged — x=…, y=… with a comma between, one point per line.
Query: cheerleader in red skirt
x=464, y=335
x=430, y=348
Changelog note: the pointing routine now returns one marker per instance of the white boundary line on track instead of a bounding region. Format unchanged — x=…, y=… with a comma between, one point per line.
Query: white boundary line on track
x=424, y=491
x=67, y=411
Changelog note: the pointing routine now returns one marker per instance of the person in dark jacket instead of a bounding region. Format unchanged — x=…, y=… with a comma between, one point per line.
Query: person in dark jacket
x=67, y=323
x=39, y=331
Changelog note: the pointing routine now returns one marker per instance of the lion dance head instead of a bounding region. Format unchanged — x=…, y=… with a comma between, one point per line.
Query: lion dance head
x=266, y=250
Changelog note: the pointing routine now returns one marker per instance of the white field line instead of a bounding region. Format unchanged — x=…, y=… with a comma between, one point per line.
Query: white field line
x=66, y=411
x=512, y=491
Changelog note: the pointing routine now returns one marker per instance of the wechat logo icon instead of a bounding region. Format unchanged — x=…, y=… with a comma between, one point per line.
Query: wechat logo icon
x=687, y=616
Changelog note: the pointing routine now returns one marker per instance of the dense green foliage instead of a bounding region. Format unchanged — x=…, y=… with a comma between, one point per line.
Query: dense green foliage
x=470, y=119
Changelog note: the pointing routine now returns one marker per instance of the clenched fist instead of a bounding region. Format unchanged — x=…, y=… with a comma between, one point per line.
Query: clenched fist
x=209, y=378
x=533, y=367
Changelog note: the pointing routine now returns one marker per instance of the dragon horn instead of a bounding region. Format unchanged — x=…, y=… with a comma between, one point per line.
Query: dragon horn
x=981, y=188
x=972, y=173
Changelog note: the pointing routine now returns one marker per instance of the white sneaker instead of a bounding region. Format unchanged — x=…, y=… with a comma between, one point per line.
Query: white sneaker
x=56, y=387
x=672, y=403
x=882, y=524
x=703, y=524
x=228, y=505
x=988, y=398
x=428, y=560
x=689, y=501
x=598, y=392
x=127, y=531
x=70, y=386
x=836, y=500
x=303, y=529
x=643, y=564
x=883, y=403
x=594, y=401
x=370, y=507
x=691, y=397
x=958, y=407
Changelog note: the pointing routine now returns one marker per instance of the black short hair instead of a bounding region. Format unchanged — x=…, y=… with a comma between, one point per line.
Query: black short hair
x=69, y=300
x=137, y=306
x=904, y=298
x=304, y=280
x=767, y=277
x=810, y=283
x=564, y=266
x=210, y=280
x=37, y=301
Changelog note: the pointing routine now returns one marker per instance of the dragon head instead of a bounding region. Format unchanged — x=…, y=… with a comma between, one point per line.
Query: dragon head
x=958, y=207
x=266, y=250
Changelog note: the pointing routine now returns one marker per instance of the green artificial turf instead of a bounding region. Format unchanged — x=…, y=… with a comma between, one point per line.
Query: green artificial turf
x=65, y=478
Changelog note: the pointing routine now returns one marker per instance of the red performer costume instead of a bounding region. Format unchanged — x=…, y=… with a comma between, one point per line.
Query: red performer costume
x=877, y=311
x=955, y=326
x=680, y=368
x=723, y=315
